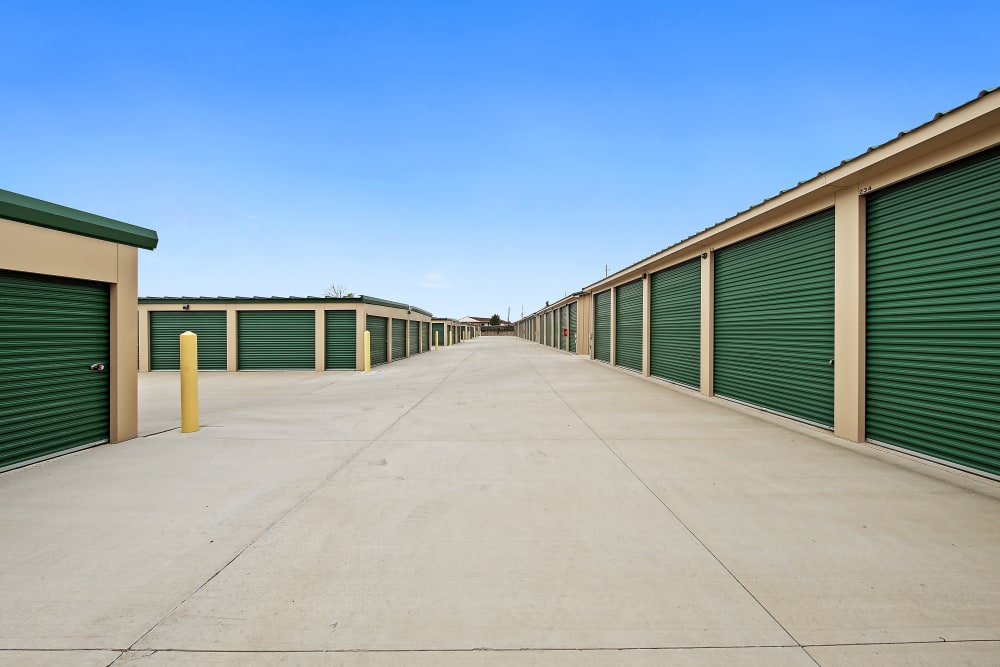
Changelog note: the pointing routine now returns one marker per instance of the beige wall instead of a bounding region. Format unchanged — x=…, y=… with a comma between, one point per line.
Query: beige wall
x=32, y=249
x=232, y=309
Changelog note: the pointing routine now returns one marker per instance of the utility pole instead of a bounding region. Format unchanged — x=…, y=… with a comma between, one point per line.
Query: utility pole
x=508, y=314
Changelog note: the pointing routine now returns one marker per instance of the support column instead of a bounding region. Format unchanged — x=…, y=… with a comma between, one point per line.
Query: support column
x=124, y=398
x=849, y=316
x=646, y=296
x=232, y=344
x=612, y=357
x=707, y=323
x=320, y=339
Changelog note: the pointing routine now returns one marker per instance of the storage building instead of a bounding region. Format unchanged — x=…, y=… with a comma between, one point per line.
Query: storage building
x=68, y=286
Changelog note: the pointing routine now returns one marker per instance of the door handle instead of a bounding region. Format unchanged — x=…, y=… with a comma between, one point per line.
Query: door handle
x=99, y=368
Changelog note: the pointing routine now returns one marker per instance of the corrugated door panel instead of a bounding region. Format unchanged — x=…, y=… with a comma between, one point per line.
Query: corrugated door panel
x=628, y=326
x=438, y=335
x=414, y=338
x=426, y=342
x=675, y=323
x=774, y=320
x=560, y=339
x=572, y=328
x=564, y=326
x=602, y=327
x=341, y=340
x=378, y=329
x=398, y=339
x=933, y=314
x=276, y=340
x=51, y=331
x=165, y=329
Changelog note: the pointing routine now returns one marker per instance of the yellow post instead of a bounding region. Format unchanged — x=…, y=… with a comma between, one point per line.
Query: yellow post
x=189, y=382
x=368, y=350
x=435, y=341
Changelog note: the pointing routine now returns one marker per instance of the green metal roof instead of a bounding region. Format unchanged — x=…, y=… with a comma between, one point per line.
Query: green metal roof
x=53, y=216
x=282, y=299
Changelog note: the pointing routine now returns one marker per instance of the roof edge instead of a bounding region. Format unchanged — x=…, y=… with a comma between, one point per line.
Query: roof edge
x=803, y=188
x=40, y=213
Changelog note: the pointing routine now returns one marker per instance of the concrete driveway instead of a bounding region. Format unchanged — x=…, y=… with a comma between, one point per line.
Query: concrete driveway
x=495, y=503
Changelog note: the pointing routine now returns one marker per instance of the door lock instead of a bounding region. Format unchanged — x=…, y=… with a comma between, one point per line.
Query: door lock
x=99, y=368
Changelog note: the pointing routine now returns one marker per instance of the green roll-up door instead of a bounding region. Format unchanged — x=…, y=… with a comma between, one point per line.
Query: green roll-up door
x=774, y=320
x=563, y=326
x=378, y=328
x=398, y=339
x=414, y=338
x=602, y=327
x=51, y=331
x=438, y=334
x=550, y=328
x=572, y=327
x=933, y=315
x=165, y=329
x=276, y=340
x=426, y=342
x=341, y=340
x=628, y=326
x=675, y=323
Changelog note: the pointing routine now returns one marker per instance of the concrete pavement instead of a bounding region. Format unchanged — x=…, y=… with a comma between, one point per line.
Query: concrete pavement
x=493, y=503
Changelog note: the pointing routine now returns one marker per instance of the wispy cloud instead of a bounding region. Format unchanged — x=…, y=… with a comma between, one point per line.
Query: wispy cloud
x=437, y=281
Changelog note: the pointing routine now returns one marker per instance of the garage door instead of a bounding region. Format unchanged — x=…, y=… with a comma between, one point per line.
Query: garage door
x=414, y=338
x=51, y=331
x=572, y=328
x=933, y=315
x=398, y=339
x=628, y=326
x=426, y=342
x=276, y=340
x=563, y=327
x=675, y=323
x=378, y=327
x=438, y=335
x=341, y=340
x=165, y=329
x=602, y=327
x=774, y=320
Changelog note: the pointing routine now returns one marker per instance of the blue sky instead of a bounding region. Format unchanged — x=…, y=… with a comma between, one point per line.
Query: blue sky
x=464, y=157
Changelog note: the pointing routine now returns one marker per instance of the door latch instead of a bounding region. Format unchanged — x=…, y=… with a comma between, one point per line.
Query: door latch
x=99, y=368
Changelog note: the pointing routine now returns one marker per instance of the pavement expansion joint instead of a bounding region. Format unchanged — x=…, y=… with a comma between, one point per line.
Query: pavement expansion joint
x=670, y=510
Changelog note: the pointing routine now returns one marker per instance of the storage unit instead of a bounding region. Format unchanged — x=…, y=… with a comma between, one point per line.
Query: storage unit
x=378, y=329
x=438, y=334
x=426, y=340
x=276, y=340
x=398, y=339
x=933, y=314
x=628, y=326
x=774, y=320
x=68, y=282
x=165, y=328
x=341, y=340
x=602, y=326
x=572, y=327
x=675, y=323
x=51, y=331
x=564, y=329
x=414, y=338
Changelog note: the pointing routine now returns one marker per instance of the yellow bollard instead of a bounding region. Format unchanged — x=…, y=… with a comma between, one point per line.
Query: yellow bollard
x=435, y=341
x=368, y=350
x=189, y=382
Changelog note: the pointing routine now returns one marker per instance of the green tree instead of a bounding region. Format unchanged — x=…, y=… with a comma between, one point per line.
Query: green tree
x=495, y=320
